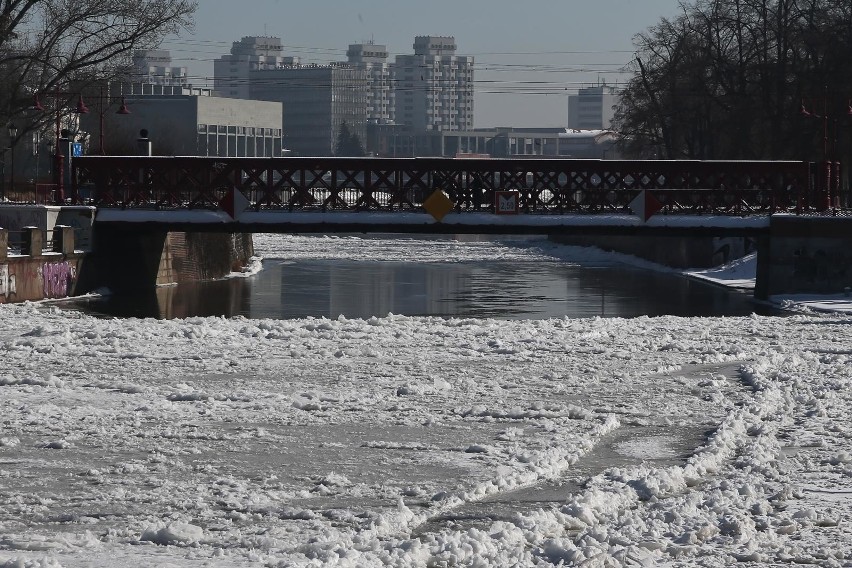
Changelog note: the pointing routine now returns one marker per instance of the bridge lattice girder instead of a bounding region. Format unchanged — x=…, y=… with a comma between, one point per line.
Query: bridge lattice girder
x=550, y=186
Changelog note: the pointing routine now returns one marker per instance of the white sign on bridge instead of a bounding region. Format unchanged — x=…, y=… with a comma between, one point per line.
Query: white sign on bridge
x=507, y=202
x=234, y=203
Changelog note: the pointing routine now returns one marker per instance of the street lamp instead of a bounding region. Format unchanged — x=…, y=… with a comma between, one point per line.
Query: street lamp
x=13, y=135
x=104, y=100
x=3, y=174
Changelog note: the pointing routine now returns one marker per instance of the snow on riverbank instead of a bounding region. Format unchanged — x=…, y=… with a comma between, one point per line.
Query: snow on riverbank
x=741, y=274
x=214, y=442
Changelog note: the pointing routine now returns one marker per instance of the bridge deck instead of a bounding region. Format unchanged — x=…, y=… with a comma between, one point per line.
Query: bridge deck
x=422, y=223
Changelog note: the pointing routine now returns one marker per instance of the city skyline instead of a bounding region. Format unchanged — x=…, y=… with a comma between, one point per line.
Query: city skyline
x=525, y=67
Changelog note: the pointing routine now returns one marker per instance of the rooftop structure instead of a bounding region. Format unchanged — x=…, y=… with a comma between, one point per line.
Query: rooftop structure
x=154, y=67
x=592, y=108
x=251, y=53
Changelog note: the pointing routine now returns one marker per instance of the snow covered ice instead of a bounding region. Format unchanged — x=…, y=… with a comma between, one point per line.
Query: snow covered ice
x=416, y=441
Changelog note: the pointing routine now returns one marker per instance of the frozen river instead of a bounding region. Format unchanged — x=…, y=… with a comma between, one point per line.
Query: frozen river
x=408, y=440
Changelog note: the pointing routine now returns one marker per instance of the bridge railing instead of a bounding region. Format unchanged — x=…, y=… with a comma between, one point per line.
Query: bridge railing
x=544, y=186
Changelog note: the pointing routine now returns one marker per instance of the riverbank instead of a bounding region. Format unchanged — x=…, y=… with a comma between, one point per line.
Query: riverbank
x=740, y=274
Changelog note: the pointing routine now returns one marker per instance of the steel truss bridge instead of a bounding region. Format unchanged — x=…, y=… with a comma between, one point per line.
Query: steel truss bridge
x=545, y=187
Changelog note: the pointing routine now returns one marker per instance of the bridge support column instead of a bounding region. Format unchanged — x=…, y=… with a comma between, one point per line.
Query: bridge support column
x=123, y=259
x=805, y=255
x=762, y=272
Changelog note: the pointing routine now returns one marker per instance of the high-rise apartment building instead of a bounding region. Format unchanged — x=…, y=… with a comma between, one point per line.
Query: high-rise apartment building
x=317, y=100
x=231, y=72
x=592, y=108
x=381, y=95
x=154, y=67
x=434, y=87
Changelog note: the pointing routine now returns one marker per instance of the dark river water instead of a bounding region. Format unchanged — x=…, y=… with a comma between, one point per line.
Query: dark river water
x=490, y=289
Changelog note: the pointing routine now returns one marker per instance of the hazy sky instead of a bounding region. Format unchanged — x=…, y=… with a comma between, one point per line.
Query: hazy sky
x=529, y=55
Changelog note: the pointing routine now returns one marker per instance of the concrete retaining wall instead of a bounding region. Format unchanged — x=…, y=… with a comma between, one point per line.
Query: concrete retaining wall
x=36, y=274
x=677, y=252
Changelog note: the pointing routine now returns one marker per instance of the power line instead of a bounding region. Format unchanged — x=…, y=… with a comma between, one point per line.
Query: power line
x=225, y=44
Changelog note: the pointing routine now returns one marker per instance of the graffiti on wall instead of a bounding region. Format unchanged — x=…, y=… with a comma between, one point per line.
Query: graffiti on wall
x=4, y=280
x=58, y=278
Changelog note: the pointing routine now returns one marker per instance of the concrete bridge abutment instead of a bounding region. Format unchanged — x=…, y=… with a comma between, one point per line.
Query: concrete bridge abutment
x=133, y=258
x=795, y=254
x=804, y=255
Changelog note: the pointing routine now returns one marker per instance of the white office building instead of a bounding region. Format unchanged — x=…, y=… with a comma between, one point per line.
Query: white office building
x=189, y=125
x=434, y=87
x=381, y=95
x=252, y=53
x=592, y=108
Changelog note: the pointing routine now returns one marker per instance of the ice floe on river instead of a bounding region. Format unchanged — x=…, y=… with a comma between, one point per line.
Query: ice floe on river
x=415, y=441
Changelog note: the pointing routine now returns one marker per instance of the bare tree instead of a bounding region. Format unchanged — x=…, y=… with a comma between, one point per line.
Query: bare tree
x=726, y=79
x=47, y=45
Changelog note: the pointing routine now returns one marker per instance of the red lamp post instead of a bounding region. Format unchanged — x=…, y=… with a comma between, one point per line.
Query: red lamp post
x=58, y=156
x=831, y=166
x=13, y=137
x=80, y=108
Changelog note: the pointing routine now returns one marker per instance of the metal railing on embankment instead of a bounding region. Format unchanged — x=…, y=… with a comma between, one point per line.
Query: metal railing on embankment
x=35, y=242
x=32, y=194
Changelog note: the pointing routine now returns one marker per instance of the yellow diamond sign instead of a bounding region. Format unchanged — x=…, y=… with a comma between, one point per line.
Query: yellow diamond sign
x=438, y=204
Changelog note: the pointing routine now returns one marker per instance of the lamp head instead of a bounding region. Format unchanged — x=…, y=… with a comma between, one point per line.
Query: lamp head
x=81, y=107
x=123, y=109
